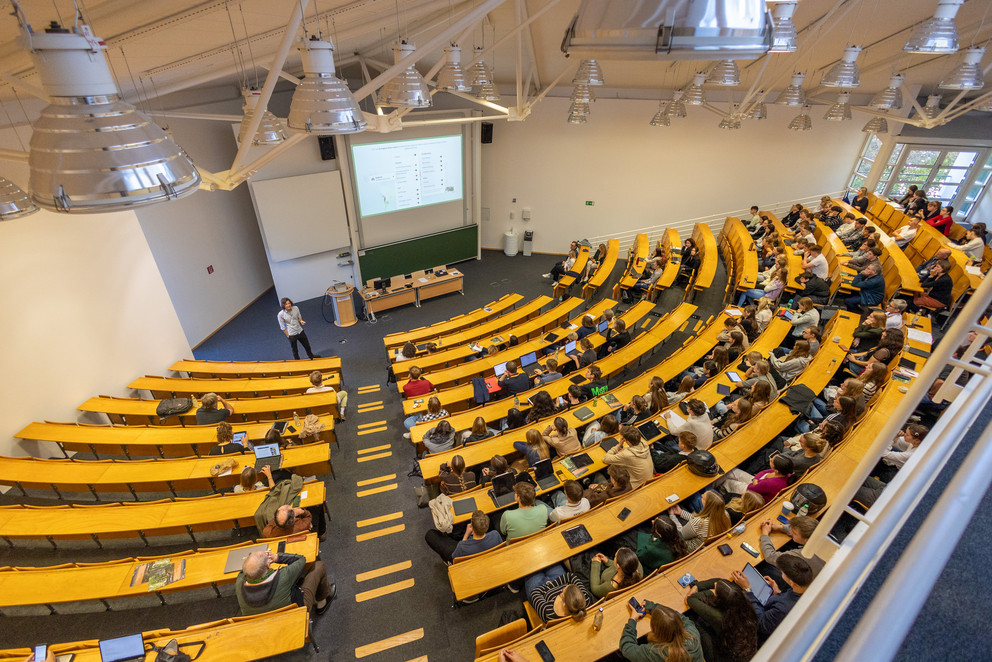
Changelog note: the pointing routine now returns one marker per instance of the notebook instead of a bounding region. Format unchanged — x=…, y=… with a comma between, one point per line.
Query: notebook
x=584, y=413
x=267, y=455
x=544, y=474
x=236, y=557
x=123, y=649
x=463, y=506
x=579, y=535
x=492, y=384
x=577, y=464
x=551, y=337
x=611, y=400
x=576, y=379
x=502, y=491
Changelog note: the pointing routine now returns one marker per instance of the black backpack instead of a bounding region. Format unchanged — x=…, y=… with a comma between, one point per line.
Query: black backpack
x=171, y=651
x=173, y=407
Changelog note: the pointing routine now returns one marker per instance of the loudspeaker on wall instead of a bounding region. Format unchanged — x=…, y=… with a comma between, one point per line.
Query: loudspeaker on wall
x=487, y=133
x=326, y=147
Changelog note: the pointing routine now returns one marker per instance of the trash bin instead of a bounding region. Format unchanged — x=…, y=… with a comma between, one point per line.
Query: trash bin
x=528, y=241
x=510, y=243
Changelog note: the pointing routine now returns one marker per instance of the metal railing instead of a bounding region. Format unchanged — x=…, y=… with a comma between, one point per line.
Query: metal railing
x=878, y=634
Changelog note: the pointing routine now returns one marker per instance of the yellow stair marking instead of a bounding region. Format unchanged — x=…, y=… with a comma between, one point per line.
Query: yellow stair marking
x=362, y=537
x=391, y=642
x=377, y=456
x=385, y=590
x=381, y=572
x=370, y=481
x=382, y=429
x=371, y=425
x=377, y=490
x=374, y=448
x=378, y=520
x=366, y=410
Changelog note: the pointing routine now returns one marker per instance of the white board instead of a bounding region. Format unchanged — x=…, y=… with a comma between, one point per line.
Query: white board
x=302, y=215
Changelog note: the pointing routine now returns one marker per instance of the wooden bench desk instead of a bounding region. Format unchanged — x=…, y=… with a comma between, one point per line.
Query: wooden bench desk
x=708, y=256
x=432, y=331
x=454, y=385
x=794, y=262
x=134, y=519
x=139, y=411
x=833, y=249
x=21, y=586
x=482, y=451
x=567, y=280
x=569, y=639
x=745, y=272
x=669, y=240
x=900, y=274
x=177, y=387
x=604, y=270
x=230, y=640
x=215, y=369
x=636, y=259
x=429, y=286
x=482, y=332
x=153, y=475
x=770, y=339
x=507, y=563
x=612, y=364
x=146, y=440
x=457, y=356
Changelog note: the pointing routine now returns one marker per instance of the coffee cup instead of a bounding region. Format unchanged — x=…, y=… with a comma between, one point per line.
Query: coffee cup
x=787, y=508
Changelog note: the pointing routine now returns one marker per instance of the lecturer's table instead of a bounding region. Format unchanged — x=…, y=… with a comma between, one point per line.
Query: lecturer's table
x=403, y=291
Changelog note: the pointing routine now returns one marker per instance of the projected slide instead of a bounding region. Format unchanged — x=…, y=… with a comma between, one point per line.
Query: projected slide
x=404, y=174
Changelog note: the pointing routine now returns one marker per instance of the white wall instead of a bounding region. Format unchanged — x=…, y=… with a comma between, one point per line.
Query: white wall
x=641, y=176
x=209, y=228
x=86, y=312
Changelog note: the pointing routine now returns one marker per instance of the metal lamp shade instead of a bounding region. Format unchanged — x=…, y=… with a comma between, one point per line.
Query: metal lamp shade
x=784, y=36
x=99, y=154
x=876, y=125
x=758, y=111
x=695, y=95
x=676, y=107
x=841, y=110
x=661, y=118
x=891, y=97
x=408, y=89
x=794, y=94
x=582, y=92
x=479, y=72
x=14, y=203
x=488, y=92
x=932, y=109
x=452, y=77
x=967, y=75
x=938, y=34
x=802, y=121
x=576, y=118
x=845, y=73
x=322, y=102
x=270, y=131
x=589, y=73
x=725, y=73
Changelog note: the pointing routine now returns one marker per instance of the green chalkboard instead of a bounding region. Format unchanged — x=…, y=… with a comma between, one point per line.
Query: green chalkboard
x=432, y=250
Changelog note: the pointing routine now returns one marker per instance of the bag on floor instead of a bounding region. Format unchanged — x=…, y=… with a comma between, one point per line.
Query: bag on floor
x=420, y=493
x=173, y=407
x=171, y=651
x=441, y=512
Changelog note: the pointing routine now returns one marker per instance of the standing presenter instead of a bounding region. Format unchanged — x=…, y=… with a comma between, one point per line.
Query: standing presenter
x=292, y=324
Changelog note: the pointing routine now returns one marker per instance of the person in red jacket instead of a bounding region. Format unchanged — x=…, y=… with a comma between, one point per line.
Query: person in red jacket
x=944, y=220
x=418, y=385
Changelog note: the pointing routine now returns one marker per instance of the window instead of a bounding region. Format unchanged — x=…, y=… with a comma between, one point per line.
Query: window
x=954, y=176
x=865, y=163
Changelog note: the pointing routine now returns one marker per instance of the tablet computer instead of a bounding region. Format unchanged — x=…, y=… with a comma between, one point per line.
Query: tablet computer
x=759, y=587
x=578, y=535
x=649, y=429
x=463, y=506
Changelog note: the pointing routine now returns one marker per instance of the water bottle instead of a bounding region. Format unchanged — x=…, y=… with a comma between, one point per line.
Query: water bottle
x=789, y=305
x=804, y=510
x=516, y=401
x=296, y=420
x=737, y=530
x=598, y=621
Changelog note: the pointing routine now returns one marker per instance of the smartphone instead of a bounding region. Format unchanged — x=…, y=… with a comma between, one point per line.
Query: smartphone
x=686, y=579
x=623, y=514
x=544, y=652
x=783, y=519
x=750, y=550
x=40, y=653
x=290, y=429
x=281, y=547
x=636, y=605
x=672, y=498
x=725, y=550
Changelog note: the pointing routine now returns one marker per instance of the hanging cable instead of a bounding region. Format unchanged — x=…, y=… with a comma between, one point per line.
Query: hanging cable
x=251, y=53
x=239, y=64
x=13, y=128
x=137, y=92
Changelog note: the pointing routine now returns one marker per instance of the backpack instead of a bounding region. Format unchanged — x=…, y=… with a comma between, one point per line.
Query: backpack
x=173, y=407
x=171, y=651
x=441, y=512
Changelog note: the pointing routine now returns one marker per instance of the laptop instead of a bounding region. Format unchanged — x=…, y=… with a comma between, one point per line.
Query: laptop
x=544, y=474
x=502, y=492
x=528, y=359
x=267, y=455
x=649, y=429
x=759, y=587
x=602, y=326
x=236, y=557
x=584, y=413
x=499, y=369
x=123, y=649
x=570, y=346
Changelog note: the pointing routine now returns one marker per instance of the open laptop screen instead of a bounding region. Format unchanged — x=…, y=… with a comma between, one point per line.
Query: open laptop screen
x=528, y=359
x=266, y=450
x=122, y=648
x=499, y=369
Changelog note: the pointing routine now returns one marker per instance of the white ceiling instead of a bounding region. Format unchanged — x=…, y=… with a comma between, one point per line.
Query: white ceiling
x=160, y=46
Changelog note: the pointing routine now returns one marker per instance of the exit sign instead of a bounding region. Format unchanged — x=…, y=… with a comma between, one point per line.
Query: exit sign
x=589, y=203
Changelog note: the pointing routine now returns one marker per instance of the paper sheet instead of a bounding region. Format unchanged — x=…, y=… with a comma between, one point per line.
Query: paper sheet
x=920, y=336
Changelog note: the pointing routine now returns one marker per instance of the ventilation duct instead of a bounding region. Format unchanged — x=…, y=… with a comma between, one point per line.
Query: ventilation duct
x=669, y=30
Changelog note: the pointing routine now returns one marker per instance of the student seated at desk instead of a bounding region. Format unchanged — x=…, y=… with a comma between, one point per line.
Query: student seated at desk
x=530, y=515
x=568, y=502
x=534, y=449
x=635, y=411
x=417, y=385
x=597, y=384
x=660, y=545
x=434, y=411
x=973, y=244
x=555, y=594
x=209, y=412
x=440, y=438
x=787, y=368
x=711, y=520
x=498, y=465
x=656, y=396
x=573, y=396
x=905, y=233
x=619, y=484
x=797, y=575
x=548, y=375
x=698, y=422
x=728, y=626
x=317, y=380
x=685, y=389
x=514, y=419
x=599, y=430
x=767, y=483
x=738, y=413
x=513, y=381
x=689, y=266
x=225, y=441
x=665, y=459
x=477, y=538
x=478, y=432
x=561, y=437
x=937, y=288
x=616, y=338
x=407, y=352
x=542, y=406
x=454, y=477
x=739, y=507
x=249, y=481
x=606, y=575
x=633, y=454
x=673, y=636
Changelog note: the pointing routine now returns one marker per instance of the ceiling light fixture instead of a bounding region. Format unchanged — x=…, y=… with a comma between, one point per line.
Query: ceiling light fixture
x=676, y=107
x=985, y=106
x=661, y=118
x=270, y=131
x=938, y=34
x=577, y=118
x=488, y=92
x=408, y=89
x=794, y=94
x=14, y=203
x=840, y=111
x=725, y=73
x=695, y=95
x=784, y=36
x=802, y=121
x=322, y=102
x=876, y=125
x=932, y=109
x=758, y=110
x=589, y=73
x=845, y=73
x=582, y=92
x=91, y=151
x=891, y=97
x=451, y=77
x=967, y=75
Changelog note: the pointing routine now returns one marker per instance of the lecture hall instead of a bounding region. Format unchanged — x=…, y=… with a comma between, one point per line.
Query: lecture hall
x=495, y=330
